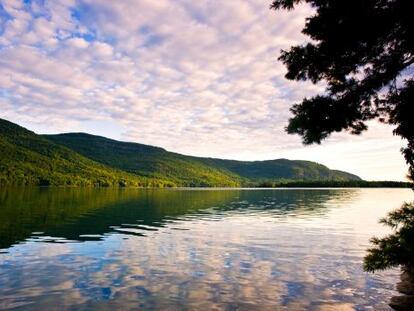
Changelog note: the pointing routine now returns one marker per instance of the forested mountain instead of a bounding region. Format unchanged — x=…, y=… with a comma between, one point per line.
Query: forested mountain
x=84, y=159
x=148, y=161
x=30, y=159
x=157, y=162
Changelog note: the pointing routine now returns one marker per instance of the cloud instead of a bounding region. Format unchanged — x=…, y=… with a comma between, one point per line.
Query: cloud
x=198, y=77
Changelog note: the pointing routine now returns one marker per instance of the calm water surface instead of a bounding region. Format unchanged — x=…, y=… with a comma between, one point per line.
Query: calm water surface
x=130, y=249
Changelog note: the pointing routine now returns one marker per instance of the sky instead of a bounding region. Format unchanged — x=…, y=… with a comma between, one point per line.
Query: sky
x=195, y=77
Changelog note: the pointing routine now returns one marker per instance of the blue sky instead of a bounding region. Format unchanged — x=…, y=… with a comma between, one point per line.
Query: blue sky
x=196, y=77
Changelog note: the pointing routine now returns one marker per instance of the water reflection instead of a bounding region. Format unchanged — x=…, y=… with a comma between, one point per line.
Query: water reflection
x=191, y=249
x=88, y=214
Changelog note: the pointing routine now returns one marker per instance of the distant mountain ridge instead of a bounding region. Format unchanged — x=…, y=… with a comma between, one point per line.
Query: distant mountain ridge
x=30, y=159
x=85, y=159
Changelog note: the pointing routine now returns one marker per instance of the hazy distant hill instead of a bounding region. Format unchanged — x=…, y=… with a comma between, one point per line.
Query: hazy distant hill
x=83, y=159
x=280, y=169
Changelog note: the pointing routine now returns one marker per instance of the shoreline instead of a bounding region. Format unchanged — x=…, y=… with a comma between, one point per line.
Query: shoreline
x=284, y=187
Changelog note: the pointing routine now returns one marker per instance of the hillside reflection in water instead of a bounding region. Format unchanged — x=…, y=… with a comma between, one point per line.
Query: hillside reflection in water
x=197, y=249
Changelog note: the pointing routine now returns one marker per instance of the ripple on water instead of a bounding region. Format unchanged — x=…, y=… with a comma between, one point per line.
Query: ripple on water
x=223, y=249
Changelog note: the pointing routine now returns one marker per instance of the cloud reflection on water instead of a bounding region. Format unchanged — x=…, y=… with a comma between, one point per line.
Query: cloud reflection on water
x=290, y=249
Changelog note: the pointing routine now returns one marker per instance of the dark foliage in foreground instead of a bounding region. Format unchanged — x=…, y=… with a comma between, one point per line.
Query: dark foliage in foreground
x=364, y=51
x=397, y=248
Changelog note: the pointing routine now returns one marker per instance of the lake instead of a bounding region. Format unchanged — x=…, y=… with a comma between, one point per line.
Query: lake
x=192, y=249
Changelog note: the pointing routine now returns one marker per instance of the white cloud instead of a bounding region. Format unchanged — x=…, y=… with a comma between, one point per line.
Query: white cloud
x=198, y=77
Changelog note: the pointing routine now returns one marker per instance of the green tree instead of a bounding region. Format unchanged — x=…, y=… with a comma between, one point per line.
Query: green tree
x=364, y=51
x=396, y=249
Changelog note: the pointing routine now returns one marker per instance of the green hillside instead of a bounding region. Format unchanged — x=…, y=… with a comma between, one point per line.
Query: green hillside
x=147, y=161
x=80, y=159
x=29, y=159
x=156, y=162
x=280, y=169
